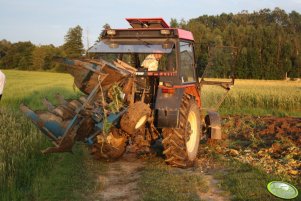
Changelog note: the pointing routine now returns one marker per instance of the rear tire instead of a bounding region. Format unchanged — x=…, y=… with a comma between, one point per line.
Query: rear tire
x=181, y=144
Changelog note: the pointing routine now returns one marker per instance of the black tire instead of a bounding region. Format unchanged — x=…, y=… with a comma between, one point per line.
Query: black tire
x=181, y=144
x=135, y=117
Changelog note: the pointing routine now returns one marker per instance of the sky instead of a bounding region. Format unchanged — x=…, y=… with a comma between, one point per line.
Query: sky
x=47, y=21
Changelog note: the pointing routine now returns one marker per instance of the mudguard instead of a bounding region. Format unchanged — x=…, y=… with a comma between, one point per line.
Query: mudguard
x=213, y=125
x=167, y=108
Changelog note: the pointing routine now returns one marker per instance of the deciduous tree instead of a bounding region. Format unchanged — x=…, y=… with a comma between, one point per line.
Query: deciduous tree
x=73, y=45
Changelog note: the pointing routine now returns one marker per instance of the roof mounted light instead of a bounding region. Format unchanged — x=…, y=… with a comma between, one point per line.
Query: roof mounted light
x=111, y=32
x=113, y=45
x=165, y=31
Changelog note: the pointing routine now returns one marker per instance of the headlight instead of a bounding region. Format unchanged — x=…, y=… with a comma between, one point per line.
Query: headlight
x=111, y=32
x=165, y=32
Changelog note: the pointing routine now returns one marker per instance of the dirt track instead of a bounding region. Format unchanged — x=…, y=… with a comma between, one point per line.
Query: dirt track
x=120, y=181
x=214, y=193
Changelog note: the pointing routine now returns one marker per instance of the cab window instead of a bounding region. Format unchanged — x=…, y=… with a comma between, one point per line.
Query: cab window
x=187, y=62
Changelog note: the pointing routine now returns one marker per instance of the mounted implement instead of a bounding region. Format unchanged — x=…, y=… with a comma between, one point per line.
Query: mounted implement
x=139, y=88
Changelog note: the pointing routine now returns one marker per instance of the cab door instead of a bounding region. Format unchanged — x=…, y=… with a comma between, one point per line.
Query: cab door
x=187, y=64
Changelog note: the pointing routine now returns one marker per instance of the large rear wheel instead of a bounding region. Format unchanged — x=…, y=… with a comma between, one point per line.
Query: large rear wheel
x=181, y=144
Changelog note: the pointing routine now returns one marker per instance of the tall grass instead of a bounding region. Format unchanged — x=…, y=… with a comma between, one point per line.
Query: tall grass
x=20, y=141
x=19, y=157
x=257, y=97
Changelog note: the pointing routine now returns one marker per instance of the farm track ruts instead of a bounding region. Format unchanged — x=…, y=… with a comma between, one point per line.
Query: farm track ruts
x=119, y=183
x=214, y=193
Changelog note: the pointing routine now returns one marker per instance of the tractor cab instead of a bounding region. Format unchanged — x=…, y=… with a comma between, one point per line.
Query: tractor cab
x=164, y=85
x=151, y=36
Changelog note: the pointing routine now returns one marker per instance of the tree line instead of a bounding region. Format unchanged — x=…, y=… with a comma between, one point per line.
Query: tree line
x=27, y=56
x=267, y=42
x=267, y=45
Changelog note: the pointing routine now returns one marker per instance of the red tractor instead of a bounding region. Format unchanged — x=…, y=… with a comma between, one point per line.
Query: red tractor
x=141, y=88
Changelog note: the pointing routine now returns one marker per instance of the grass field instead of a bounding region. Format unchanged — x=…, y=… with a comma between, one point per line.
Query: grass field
x=26, y=174
x=20, y=142
x=257, y=97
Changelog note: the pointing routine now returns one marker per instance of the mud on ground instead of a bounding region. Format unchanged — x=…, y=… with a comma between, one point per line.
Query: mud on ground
x=271, y=143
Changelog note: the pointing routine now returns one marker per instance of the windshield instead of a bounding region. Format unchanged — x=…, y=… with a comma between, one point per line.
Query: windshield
x=165, y=62
x=150, y=54
x=133, y=46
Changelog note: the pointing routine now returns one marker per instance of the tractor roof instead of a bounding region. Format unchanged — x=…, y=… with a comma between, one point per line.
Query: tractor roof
x=147, y=23
x=153, y=24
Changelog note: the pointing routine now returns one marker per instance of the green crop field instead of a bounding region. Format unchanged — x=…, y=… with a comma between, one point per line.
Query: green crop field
x=20, y=141
x=257, y=97
x=23, y=168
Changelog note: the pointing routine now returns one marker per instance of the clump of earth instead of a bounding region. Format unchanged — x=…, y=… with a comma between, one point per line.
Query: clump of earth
x=271, y=143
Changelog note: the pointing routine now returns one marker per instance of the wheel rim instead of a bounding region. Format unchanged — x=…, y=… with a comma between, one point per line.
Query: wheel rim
x=192, y=142
x=141, y=121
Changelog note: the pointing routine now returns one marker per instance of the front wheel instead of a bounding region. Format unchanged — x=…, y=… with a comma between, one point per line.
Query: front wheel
x=135, y=117
x=181, y=144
